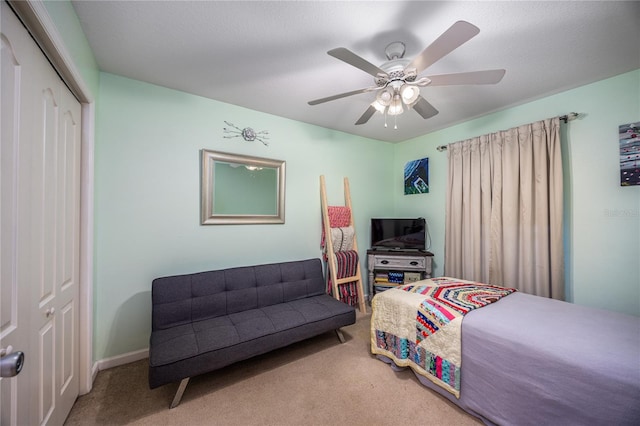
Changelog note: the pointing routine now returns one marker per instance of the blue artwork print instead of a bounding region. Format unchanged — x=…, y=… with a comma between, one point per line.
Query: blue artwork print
x=416, y=177
x=629, y=136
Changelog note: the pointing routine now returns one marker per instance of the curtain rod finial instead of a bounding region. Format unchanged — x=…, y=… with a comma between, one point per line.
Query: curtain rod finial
x=570, y=116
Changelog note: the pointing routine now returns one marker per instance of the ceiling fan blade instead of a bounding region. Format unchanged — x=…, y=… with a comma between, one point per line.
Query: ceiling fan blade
x=473, y=77
x=351, y=58
x=458, y=34
x=424, y=108
x=366, y=116
x=342, y=95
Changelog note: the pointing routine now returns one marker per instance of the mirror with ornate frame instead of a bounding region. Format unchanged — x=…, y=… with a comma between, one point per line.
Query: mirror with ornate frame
x=239, y=189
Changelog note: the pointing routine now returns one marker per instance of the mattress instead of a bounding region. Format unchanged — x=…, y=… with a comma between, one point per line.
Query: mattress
x=528, y=360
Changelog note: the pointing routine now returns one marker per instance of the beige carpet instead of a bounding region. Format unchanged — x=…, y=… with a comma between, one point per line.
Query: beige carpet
x=315, y=382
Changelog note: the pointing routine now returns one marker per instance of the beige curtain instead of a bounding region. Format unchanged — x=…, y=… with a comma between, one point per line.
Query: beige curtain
x=504, y=209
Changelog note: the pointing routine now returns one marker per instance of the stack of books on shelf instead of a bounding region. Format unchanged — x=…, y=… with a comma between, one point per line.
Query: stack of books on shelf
x=388, y=279
x=381, y=278
x=396, y=277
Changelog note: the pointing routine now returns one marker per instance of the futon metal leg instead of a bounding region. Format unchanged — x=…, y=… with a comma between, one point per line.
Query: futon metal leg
x=178, y=397
x=340, y=335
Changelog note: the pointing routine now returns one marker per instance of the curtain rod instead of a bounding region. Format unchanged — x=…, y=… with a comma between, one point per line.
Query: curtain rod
x=566, y=118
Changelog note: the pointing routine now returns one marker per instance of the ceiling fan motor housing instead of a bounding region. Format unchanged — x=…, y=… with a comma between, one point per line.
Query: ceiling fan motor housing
x=396, y=71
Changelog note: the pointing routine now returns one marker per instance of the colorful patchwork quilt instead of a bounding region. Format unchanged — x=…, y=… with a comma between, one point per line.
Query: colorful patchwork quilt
x=419, y=325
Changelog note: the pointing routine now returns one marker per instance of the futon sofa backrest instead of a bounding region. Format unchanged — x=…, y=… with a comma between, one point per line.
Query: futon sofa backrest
x=183, y=299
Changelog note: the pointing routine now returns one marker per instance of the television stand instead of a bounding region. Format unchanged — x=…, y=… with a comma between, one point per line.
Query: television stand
x=391, y=268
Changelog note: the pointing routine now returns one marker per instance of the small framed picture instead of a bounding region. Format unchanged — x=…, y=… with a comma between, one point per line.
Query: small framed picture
x=416, y=177
x=629, y=138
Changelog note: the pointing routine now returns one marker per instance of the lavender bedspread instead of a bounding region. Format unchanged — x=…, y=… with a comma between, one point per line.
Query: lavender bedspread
x=529, y=360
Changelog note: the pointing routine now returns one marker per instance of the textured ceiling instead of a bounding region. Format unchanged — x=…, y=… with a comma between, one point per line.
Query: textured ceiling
x=270, y=56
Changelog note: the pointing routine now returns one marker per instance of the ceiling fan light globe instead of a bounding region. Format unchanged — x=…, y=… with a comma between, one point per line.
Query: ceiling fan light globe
x=378, y=106
x=396, y=107
x=384, y=97
x=409, y=94
x=395, y=110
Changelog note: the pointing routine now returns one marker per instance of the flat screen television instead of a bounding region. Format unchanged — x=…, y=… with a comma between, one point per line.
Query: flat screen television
x=398, y=234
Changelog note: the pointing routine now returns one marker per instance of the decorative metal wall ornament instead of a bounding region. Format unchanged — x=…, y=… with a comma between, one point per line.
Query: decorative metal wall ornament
x=248, y=134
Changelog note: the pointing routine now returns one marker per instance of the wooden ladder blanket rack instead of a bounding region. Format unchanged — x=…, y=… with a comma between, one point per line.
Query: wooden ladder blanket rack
x=332, y=264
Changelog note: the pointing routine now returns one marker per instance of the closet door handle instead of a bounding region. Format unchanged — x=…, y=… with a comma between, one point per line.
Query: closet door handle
x=11, y=364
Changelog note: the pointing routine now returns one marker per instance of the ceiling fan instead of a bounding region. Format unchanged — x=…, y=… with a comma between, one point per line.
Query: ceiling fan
x=396, y=81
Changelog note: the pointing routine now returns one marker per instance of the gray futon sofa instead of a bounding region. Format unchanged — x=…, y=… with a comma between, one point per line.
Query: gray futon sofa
x=208, y=320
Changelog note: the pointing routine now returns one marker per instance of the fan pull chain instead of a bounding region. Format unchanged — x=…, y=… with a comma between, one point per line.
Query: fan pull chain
x=395, y=122
x=385, y=117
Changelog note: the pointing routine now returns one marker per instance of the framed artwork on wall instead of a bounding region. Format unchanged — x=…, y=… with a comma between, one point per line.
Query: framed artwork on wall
x=629, y=139
x=416, y=177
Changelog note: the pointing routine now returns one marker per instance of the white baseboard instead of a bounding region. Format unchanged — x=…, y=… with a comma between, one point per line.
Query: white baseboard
x=94, y=372
x=123, y=359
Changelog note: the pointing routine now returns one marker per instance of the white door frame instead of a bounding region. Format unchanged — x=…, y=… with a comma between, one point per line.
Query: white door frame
x=37, y=20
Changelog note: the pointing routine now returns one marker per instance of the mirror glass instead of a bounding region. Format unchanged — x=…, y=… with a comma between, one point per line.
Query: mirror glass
x=239, y=189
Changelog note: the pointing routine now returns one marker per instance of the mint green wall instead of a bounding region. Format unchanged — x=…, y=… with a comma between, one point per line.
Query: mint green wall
x=147, y=196
x=147, y=180
x=602, y=218
x=66, y=21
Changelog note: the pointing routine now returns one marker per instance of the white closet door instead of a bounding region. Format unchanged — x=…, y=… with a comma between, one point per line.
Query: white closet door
x=40, y=205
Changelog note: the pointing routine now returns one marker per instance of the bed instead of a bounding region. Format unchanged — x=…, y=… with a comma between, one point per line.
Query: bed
x=524, y=360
